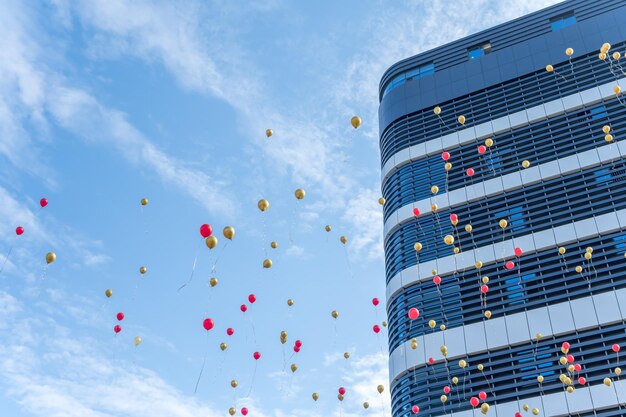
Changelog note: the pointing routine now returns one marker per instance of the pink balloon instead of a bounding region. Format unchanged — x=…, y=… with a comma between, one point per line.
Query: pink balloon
x=484, y=288
x=206, y=230
x=296, y=349
x=474, y=402
x=244, y=411
x=416, y=212
x=577, y=367
x=582, y=380
x=518, y=252
x=445, y=156
x=43, y=202
x=256, y=356
x=415, y=409
x=565, y=345
x=518, y=414
x=342, y=390
x=117, y=328
x=243, y=308
x=570, y=358
x=230, y=331
x=446, y=390
x=252, y=298
x=414, y=313
x=509, y=265
x=482, y=395
x=437, y=279
x=454, y=218
x=431, y=360
x=375, y=301
x=482, y=149
x=19, y=230
x=470, y=172
x=376, y=328
x=208, y=324
x=298, y=343
x=616, y=348
x=120, y=316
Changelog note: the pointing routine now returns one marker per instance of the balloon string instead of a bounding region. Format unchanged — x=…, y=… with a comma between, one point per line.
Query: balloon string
x=6, y=258
x=193, y=268
x=253, y=376
x=217, y=258
x=201, y=369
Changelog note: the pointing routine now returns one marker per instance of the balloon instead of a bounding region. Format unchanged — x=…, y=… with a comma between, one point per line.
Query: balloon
x=290, y=302
x=470, y=172
x=234, y=383
x=117, y=328
x=509, y=265
x=343, y=239
x=468, y=228
x=445, y=156
x=211, y=242
x=616, y=348
x=252, y=298
x=454, y=218
x=206, y=230
x=480, y=367
x=19, y=230
x=607, y=382
x=298, y=343
x=137, y=341
x=437, y=110
x=340, y=397
x=518, y=251
x=446, y=390
x=415, y=409
x=474, y=402
x=267, y=263
x=485, y=408
x=617, y=89
x=328, y=228
x=602, y=56
x=120, y=316
x=108, y=293
x=366, y=405
x=256, y=356
x=346, y=355
x=44, y=202
x=356, y=122
x=299, y=193
x=380, y=389
x=569, y=52
x=484, y=289
x=448, y=240
x=461, y=120
x=434, y=189
x=437, y=279
x=382, y=201
x=462, y=363
x=582, y=380
x=263, y=204
x=562, y=250
x=482, y=149
x=51, y=257
x=606, y=128
x=488, y=314
x=503, y=223
x=294, y=367
x=431, y=360
x=223, y=346
x=144, y=202
x=296, y=349
x=482, y=395
x=143, y=270
x=376, y=328
x=244, y=411
x=213, y=282
x=608, y=138
x=432, y=324
x=243, y=308
x=418, y=247
x=232, y=411
x=447, y=166
x=518, y=414
x=565, y=346
x=488, y=142
x=342, y=391
x=618, y=371
x=525, y=163
x=549, y=68
x=229, y=232
x=375, y=301
x=605, y=47
x=334, y=313
x=315, y=396
x=570, y=359
x=274, y=245
x=577, y=367
x=416, y=212
x=269, y=132
x=208, y=324
x=414, y=313
x=230, y=331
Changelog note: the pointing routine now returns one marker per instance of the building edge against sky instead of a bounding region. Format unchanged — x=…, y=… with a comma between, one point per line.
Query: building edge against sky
x=554, y=172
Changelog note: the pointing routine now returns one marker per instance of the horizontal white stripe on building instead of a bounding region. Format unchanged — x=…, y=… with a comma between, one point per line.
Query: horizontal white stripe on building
x=502, y=124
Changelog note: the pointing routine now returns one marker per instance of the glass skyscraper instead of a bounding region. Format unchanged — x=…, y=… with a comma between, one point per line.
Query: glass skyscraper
x=540, y=150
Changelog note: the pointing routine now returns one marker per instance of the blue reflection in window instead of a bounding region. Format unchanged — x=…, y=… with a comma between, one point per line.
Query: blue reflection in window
x=563, y=22
x=410, y=75
x=598, y=112
x=479, y=51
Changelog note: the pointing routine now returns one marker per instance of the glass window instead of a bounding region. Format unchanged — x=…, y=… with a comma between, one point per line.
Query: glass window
x=480, y=50
x=598, y=112
x=413, y=74
x=563, y=22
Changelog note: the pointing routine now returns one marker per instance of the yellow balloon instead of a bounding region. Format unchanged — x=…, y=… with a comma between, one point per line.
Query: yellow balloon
x=569, y=52
x=234, y=383
x=223, y=346
x=468, y=228
x=444, y=350
x=366, y=405
x=137, y=341
x=549, y=68
x=211, y=242
x=485, y=280
x=442, y=327
x=434, y=189
x=608, y=138
x=343, y=239
x=108, y=293
x=382, y=201
x=602, y=56
x=334, y=313
x=213, y=282
x=606, y=47
x=616, y=55
x=51, y=257
x=384, y=323
x=232, y=411
x=606, y=128
x=448, y=166
x=437, y=110
x=448, y=240
x=562, y=250
x=299, y=193
x=618, y=371
x=535, y=411
x=480, y=367
x=229, y=232
x=144, y=201
x=503, y=223
x=607, y=382
x=315, y=396
x=346, y=355
x=290, y=302
x=525, y=164
x=274, y=245
x=525, y=407
x=356, y=122
x=444, y=398
x=380, y=389
x=488, y=314
x=589, y=249
x=538, y=336
x=455, y=380
x=432, y=324
x=488, y=142
x=579, y=269
x=143, y=270
x=263, y=204
x=462, y=363
x=478, y=264
x=588, y=255
x=340, y=397
x=484, y=408
x=417, y=247
x=456, y=250
x=540, y=379
x=617, y=89
x=434, y=208
x=294, y=367
x=461, y=120
x=569, y=389
x=269, y=132
x=328, y=228
x=267, y=263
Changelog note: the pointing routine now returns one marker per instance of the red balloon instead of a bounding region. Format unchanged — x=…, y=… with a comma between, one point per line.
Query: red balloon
x=375, y=301
x=470, y=172
x=518, y=252
x=431, y=360
x=376, y=328
x=482, y=395
x=518, y=414
x=43, y=202
x=474, y=402
x=577, y=367
x=582, y=380
x=120, y=316
x=445, y=156
x=414, y=313
x=296, y=349
x=208, y=324
x=256, y=356
x=298, y=343
x=243, y=308
x=244, y=411
x=565, y=345
x=454, y=218
x=117, y=328
x=252, y=298
x=509, y=265
x=416, y=212
x=484, y=288
x=482, y=149
x=615, y=348
x=342, y=390
x=206, y=230
x=437, y=279
x=570, y=359
x=446, y=390
x=19, y=230
x=415, y=409
x=230, y=331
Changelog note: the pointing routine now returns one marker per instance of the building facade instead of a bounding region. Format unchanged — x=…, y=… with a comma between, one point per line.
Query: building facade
x=552, y=173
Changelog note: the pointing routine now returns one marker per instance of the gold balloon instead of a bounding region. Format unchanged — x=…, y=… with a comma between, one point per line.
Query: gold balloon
x=588, y=255
x=434, y=207
x=606, y=47
x=563, y=361
x=448, y=166
x=269, y=132
x=340, y=397
x=356, y=122
x=488, y=314
x=213, y=282
x=366, y=405
x=461, y=120
x=434, y=189
x=569, y=52
x=274, y=245
x=602, y=56
x=456, y=250
x=437, y=110
x=579, y=269
x=562, y=250
x=608, y=138
x=263, y=204
x=382, y=201
x=346, y=355
x=488, y=142
x=525, y=164
x=462, y=363
x=538, y=336
x=607, y=382
x=108, y=293
x=589, y=249
x=480, y=367
x=232, y=411
x=267, y=263
x=229, y=232
x=549, y=68
x=455, y=380
x=234, y=383
x=432, y=324
x=448, y=240
x=485, y=280
x=328, y=228
x=503, y=223
x=442, y=327
x=616, y=55
x=384, y=323
x=144, y=201
x=444, y=398
x=51, y=257
x=444, y=350
x=468, y=228
x=137, y=341
x=223, y=346
x=618, y=371
x=478, y=264
x=380, y=389
x=525, y=407
x=417, y=247
x=290, y=302
x=343, y=239
x=294, y=367
x=413, y=345
x=299, y=193
x=334, y=313
x=540, y=379
x=143, y=270
x=484, y=408
x=569, y=389
x=433, y=271
x=606, y=129
x=535, y=411
x=617, y=89
x=211, y=242
x=315, y=396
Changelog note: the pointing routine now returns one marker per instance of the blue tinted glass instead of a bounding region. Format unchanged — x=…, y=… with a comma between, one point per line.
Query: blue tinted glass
x=476, y=53
x=409, y=75
x=564, y=22
x=598, y=112
x=427, y=69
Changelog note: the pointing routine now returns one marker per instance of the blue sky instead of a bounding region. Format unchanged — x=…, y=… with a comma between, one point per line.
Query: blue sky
x=103, y=103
